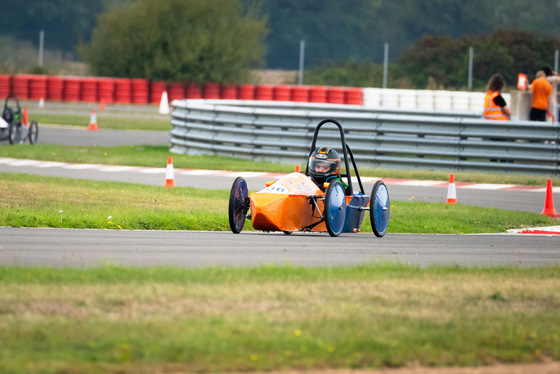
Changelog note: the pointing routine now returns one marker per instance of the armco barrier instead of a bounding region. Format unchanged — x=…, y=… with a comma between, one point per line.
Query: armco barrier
x=406, y=139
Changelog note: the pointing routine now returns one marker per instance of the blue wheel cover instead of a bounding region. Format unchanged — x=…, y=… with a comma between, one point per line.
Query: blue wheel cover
x=336, y=216
x=381, y=209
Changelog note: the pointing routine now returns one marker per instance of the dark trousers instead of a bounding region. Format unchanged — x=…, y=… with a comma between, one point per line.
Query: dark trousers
x=537, y=115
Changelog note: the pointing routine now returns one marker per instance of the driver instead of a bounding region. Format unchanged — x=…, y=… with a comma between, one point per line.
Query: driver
x=324, y=164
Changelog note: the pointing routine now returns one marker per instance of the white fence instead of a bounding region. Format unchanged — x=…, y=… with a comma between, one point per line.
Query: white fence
x=426, y=99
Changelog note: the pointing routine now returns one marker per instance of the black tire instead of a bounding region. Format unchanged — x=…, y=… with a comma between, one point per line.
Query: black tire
x=335, y=208
x=238, y=205
x=33, y=133
x=380, y=209
x=13, y=133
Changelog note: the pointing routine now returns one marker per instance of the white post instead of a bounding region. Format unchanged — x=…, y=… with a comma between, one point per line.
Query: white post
x=555, y=99
x=471, y=52
x=41, y=43
x=301, y=59
x=385, y=65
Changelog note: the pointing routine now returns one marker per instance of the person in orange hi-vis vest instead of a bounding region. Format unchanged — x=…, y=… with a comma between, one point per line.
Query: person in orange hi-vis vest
x=495, y=106
x=540, y=104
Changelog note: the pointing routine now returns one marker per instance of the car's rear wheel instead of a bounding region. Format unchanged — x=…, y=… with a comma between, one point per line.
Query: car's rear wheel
x=238, y=205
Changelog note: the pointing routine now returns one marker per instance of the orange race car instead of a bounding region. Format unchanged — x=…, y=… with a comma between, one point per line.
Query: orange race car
x=321, y=199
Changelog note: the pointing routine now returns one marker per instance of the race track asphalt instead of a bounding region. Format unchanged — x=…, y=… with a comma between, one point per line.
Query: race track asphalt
x=194, y=249
x=85, y=248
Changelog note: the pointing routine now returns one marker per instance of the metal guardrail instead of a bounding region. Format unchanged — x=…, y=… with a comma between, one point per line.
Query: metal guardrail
x=405, y=139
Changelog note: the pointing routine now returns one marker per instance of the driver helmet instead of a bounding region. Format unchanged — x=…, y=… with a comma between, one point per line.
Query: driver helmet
x=8, y=114
x=324, y=163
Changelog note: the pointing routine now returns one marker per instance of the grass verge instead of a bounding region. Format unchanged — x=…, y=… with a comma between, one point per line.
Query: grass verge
x=127, y=320
x=35, y=201
x=104, y=122
x=156, y=156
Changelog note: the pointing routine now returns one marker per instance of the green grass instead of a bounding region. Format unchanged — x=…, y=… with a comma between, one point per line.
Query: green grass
x=127, y=320
x=156, y=156
x=143, y=320
x=136, y=155
x=104, y=121
x=35, y=201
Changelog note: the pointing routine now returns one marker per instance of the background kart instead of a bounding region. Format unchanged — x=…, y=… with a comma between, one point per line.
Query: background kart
x=296, y=203
x=11, y=125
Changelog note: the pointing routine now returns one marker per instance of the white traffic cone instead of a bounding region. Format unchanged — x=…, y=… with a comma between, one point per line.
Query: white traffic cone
x=93, y=121
x=164, y=104
x=41, y=103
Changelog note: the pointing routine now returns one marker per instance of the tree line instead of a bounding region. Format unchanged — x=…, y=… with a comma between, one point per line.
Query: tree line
x=221, y=40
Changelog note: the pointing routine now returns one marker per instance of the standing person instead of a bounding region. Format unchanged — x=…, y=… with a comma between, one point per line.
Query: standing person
x=541, y=90
x=495, y=106
x=553, y=78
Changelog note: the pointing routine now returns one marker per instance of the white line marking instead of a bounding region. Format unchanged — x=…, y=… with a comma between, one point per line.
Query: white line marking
x=114, y=169
x=422, y=183
x=51, y=164
x=82, y=166
x=201, y=172
x=153, y=171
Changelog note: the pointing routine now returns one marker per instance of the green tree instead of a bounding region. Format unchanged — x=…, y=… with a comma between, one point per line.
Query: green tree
x=333, y=31
x=177, y=40
x=65, y=22
x=444, y=60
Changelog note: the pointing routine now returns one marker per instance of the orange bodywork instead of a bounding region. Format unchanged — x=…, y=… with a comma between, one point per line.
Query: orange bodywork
x=285, y=206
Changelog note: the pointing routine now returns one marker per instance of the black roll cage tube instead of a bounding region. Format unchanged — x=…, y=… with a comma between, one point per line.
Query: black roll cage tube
x=348, y=155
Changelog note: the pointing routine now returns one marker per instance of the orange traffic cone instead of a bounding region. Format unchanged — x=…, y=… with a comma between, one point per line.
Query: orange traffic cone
x=549, y=202
x=169, y=178
x=451, y=191
x=25, y=119
x=93, y=121
x=102, y=105
x=298, y=168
